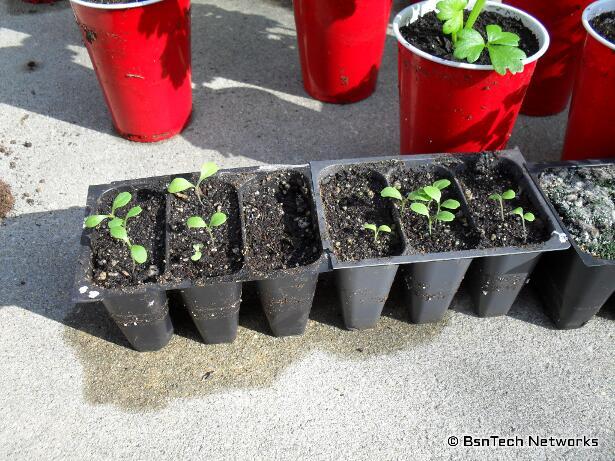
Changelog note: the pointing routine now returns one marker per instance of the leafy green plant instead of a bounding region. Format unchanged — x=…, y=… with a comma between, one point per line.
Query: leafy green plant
x=178, y=185
x=529, y=217
x=428, y=195
x=196, y=222
x=377, y=230
x=506, y=195
x=138, y=253
x=469, y=44
x=120, y=201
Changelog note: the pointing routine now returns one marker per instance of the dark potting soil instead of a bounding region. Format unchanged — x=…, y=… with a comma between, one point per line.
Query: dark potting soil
x=484, y=175
x=351, y=198
x=221, y=256
x=458, y=234
x=112, y=265
x=604, y=24
x=6, y=199
x=426, y=34
x=281, y=228
x=585, y=200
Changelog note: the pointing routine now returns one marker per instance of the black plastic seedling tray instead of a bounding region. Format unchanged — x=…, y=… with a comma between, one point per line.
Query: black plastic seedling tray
x=573, y=284
x=495, y=276
x=142, y=312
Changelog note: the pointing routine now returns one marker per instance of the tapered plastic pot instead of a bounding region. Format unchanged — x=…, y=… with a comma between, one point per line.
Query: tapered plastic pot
x=496, y=282
x=140, y=52
x=431, y=286
x=214, y=310
x=143, y=318
x=449, y=106
x=590, y=121
x=340, y=46
x=287, y=302
x=362, y=293
x=551, y=85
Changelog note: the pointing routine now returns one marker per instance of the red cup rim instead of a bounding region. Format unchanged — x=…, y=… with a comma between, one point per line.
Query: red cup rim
x=596, y=9
x=430, y=5
x=115, y=6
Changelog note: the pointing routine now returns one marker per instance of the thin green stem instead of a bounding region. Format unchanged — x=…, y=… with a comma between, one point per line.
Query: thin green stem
x=454, y=37
x=478, y=7
x=501, y=209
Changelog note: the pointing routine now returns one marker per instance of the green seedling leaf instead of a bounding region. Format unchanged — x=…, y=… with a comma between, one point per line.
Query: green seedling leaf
x=442, y=183
x=134, y=211
x=179, y=185
x=122, y=199
x=508, y=195
x=94, y=220
x=495, y=36
x=419, y=195
x=195, y=222
x=217, y=219
x=433, y=192
x=197, y=252
x=470, y=45
x=208, y=169
x=138, y=254
x=116, y=222
x=384, y=228
x=119, y=233
x=451, y=204
x=518, y=211
x=391, y=192
x=419, y=208
x=445, y=216
x=371, y=227
x=529, y=217
x=506, y=58
x=451, y=11
x=495, y=197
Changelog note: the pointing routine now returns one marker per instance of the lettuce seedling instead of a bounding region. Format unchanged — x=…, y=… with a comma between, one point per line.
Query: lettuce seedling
x=121, y=200
x=506, y=195
x=469, y=44
x=377, y=230
x=180, y=184
x=529, y=217
x=196, y=222
x=433, y=194
x=138, y=253
x=392, y=192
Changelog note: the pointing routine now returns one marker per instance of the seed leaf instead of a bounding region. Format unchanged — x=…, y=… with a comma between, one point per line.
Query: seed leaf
x=451, y=204
x=217, y=219
x=419, y=208
x=208, y=169
x=120, y=201
x=115, y=222
x=470, y=45
x=119, y=233
x=433, y=192
x=134, y=211
x=138, y=254
x=529, y=217
x=446, y=216
x=509, y=194
x=94, y=220
x=518, y=211
x=391, y=192
x=384, y=228
x=442, y=183
x=179, y=185
x=195, y=222
x=197, y=252
x=371, y=227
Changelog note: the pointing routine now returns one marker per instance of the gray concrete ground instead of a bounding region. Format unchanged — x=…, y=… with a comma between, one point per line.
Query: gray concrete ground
x=71, y=389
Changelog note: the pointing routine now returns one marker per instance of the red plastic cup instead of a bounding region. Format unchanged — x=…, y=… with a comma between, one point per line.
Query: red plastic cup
x=449, y=106
x=551, y=85
x=340, y=46
x=141, y=55
x=591, y=122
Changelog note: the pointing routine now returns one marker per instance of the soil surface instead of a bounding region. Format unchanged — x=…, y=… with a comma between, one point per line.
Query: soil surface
x=281, y=228
x=426, y=34
x=112, y=266
x=458, y=234
x=221, y=256
x=605, y=25
x=6, y=199
x=351, y=198
x=585, y=200
x=485, y=175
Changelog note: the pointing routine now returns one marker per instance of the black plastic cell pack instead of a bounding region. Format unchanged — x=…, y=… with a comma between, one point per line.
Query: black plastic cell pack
x=573, y=284
x=494, y=276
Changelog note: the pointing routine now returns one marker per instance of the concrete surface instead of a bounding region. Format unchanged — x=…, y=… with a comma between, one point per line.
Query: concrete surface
x=71, y=389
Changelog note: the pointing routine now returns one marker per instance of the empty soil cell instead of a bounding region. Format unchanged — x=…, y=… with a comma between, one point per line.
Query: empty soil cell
x=281, y=227
x=585, y=200
x=351, y=198
x=484, y=175
x=112, y=265
x=458, y=234
x=222, y=255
